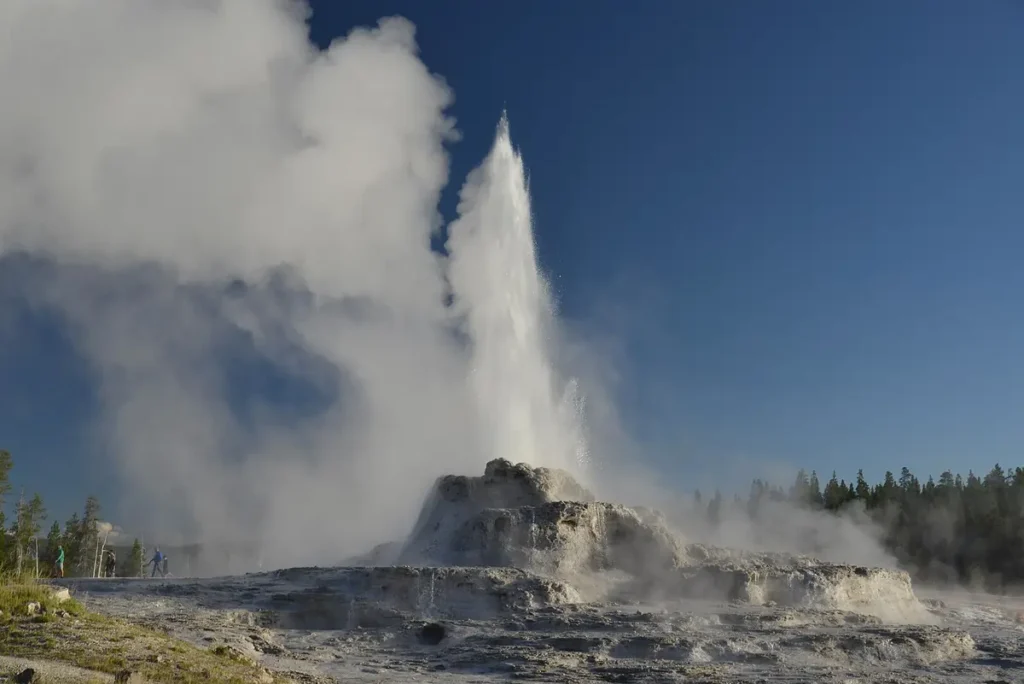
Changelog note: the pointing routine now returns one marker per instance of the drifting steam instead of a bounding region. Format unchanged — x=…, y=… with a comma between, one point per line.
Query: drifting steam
x=207, y=199
x=196, y=183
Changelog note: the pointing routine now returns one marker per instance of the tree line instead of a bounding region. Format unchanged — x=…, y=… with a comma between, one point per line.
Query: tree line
x=84, y=538
x=961, y=529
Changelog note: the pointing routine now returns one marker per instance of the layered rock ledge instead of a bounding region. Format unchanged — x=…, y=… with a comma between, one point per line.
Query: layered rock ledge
x=542, y=521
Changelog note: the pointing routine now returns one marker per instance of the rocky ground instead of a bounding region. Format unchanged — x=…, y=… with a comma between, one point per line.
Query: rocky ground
x=519, y=574
x=485, y=625
x=47, y=637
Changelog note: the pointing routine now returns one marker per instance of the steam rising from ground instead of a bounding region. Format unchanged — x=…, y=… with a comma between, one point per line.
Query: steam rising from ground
x=194, y=179
x=194, y=183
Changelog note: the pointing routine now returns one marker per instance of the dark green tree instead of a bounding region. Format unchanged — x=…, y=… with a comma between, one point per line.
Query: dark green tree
x=135, y=561
x=88, y=538
x=861, y=489
x=25, y=532
x=54, y=539
x=951, y=529
x=72, y=542
x=814, y=491
x=834, y=494
x=6, y=465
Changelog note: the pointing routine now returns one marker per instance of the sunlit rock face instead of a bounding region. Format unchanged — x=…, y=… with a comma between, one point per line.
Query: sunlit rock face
x=803, y=583
x=541, y=520
x=538, y=519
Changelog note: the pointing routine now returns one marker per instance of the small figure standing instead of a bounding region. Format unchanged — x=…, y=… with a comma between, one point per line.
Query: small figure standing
x=59, y=563
x=111, y=563
x=158, y=558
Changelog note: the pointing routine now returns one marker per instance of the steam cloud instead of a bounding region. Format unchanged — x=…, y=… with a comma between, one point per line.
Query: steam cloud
x=194, y=179
x=194, y=182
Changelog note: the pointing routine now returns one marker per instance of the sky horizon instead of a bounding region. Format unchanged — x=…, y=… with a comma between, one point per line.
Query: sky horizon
x=794, y=231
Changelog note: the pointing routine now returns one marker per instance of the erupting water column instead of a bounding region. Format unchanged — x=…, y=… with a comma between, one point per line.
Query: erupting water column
x=528, y=412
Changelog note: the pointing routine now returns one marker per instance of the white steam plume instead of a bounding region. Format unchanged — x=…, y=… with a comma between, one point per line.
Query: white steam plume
x=526, y=413
x=194, y=176
x=193, y=180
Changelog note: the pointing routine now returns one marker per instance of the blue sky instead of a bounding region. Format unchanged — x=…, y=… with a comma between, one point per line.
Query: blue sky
x=800, y=222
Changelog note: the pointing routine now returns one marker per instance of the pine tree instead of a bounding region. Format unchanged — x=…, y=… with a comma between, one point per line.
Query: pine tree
x=72, y=541
x=861, y=489
x=905, y=478
x=37, y=515
x=947, y=529
x=814, y=497
x=135, y=561
x=834, y=495
x=996, y=478
x=846, y=492
x=54, y=539
x=6, y=464
x=889, y=487
x=88, y=538
x=801, y=489
x=27, y=524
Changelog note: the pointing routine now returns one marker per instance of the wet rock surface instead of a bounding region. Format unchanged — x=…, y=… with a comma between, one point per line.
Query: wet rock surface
x=325, y=625
x=874, y=591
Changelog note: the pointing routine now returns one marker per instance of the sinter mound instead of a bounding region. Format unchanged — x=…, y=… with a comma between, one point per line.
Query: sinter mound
x=543, y=521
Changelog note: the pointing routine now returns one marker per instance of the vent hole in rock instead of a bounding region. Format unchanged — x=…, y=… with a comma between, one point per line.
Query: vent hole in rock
x=432, y=634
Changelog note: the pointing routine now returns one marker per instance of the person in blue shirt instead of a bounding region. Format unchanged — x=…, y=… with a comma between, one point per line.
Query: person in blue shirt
x=158, y=558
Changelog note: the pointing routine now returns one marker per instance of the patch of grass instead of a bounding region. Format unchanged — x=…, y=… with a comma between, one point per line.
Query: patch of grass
x=103, y=644
x=15, y=599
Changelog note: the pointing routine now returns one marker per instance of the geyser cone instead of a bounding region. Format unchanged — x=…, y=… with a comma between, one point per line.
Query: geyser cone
x=527, y=413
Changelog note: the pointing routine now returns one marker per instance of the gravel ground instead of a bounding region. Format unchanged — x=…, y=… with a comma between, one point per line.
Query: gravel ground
x=51, y=672
x=368, y=625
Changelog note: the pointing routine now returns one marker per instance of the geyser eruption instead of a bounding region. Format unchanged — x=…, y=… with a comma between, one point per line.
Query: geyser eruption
x=507, y=308
x=195, y=182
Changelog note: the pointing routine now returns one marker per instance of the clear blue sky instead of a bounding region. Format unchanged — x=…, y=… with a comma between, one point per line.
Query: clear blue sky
x=803, y=222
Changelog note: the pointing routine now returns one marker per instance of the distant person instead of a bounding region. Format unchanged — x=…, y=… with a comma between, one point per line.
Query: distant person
x=111, y=563
x=59, y=563
x=158, y=558
x=165, y=565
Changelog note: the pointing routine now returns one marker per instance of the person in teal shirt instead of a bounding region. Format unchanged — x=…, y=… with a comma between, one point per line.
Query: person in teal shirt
x=60, y=561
